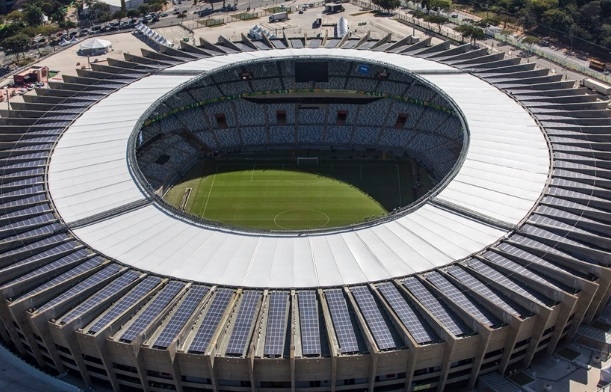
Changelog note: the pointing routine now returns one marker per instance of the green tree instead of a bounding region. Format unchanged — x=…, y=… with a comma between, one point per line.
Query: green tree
x=387, y=5
x=132, y=13
x=437, y=19
x=541, y=6
x=15, y=16
x=143, y=9
x=557, y=19
x=67, y=24
x=477, y=34
x=17, y=43
x=33, y=14
x=473, y=33
x=438, y=5
x=98, y=9
x=529, y=41
x=105, y=17
x=155, y=7
x=119, y=15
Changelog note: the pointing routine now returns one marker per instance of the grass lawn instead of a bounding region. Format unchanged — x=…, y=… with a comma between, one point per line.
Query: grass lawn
x=276, y=199
x=287, y=196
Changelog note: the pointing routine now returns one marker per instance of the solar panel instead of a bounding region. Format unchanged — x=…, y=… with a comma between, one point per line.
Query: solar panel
x=13, y=204
x=344, y=330
x=436, y=308
x=74, y=258
x=211, y=320
x=476, y=311
x=243, y=324
x=540, y=248
x=276, y=323
x=111, y=289
x=25, y=182
x=421, y=332
x=180, y=317
x=555, y=239
x=31, y=248
x=26, y=224
x=518, y=270
x=126, y=302
x=154, y=309
x=502, y=280
x=23, y=173
x=484, y=290
x=308, y=322
x=37, y=232
x=531, y=258
x=56, y=251
x=29, y=211
x=375, y=321
x=47, y=268
x=83, y=286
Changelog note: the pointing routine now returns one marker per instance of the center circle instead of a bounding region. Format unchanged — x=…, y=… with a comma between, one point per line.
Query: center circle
x=297, y=219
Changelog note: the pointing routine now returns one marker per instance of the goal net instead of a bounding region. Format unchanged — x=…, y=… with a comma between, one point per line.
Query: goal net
x=307, y=160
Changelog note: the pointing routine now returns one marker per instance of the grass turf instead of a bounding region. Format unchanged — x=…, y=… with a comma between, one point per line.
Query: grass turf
x=288, y=196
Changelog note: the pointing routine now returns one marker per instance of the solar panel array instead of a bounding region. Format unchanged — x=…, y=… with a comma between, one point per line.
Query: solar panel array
x=26, y=224
x=344, y=329
x=502, y=280
x=25, y=212
x=540, y=248
x=154, y=309
x=47, y=268
x=484, y=290
x=415, y=324
x=180, y=317
x=82, y=268
x=211, y=320
x=375, y=321
x=244, y=323
x=516, y=268
x=436, y=308
x=477, y=311
x=126, y=302
x=38, y=232
x=111, y=289
x=276, y=323
x=83, y=286
x=308, y=322
x=32, y=247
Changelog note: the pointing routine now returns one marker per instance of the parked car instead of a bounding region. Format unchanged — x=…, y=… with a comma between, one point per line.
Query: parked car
x=206, y=11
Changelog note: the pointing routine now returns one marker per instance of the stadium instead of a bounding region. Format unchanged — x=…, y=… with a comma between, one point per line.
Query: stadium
x=499, y=255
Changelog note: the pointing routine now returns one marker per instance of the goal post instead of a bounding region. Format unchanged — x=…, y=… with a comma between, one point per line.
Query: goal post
x=307, y=160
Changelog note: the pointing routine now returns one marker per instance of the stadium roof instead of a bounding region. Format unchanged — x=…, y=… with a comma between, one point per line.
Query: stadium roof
x=503, y=175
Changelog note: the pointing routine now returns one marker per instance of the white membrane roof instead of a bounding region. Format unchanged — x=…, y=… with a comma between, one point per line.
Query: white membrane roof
x=503, y=175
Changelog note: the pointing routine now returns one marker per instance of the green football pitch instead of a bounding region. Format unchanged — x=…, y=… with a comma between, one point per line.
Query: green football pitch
x=282, y=196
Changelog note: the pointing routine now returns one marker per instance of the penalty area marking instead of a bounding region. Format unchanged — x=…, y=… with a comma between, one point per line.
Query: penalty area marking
x=301, y=209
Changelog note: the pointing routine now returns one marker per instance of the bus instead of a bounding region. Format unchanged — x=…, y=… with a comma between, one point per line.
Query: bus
x=597, y=65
